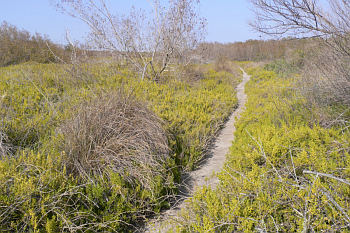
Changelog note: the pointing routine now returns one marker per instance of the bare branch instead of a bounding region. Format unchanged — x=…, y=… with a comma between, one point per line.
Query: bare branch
x=327, y=175
x=166, y=37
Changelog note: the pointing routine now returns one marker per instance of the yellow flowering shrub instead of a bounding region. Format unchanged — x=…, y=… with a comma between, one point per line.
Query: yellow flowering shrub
x=282, y=174
x=37, y=194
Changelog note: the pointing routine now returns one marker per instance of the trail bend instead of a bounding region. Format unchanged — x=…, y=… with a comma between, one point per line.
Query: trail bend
x=212, y=163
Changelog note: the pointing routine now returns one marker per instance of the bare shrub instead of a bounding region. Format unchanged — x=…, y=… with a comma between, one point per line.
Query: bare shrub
x=192, y=73
x=329, y=74
x=221, y=64
x=117, y=134
x=5, y=148
x=325, y=84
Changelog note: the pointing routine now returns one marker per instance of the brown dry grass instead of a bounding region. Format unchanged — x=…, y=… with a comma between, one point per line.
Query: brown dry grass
x=115, y=133
x=5, y=147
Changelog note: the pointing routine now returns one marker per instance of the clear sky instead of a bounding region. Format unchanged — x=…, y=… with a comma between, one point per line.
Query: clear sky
x=227, y=19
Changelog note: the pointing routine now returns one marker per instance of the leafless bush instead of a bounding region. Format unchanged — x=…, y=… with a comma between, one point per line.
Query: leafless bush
x=192, y=73
x=221, y=64
x=330, y=74
x=325, y=83
x=5, y=148
x=117, y=134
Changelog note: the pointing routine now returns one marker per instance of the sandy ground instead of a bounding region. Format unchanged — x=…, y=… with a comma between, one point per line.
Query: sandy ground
x=203, y=175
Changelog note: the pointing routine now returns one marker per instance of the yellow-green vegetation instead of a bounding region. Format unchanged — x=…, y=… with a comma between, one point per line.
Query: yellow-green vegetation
x=40, y=192
x=283, y=173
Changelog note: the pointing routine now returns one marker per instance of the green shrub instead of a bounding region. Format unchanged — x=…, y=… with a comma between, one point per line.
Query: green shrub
x=36, y=98
x=42, y=108
x=194, y=112
x=38, y=196
x=283, y=173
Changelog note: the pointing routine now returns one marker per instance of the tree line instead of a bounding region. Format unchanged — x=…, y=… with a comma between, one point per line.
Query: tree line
x=18, y=46
x=252, y=50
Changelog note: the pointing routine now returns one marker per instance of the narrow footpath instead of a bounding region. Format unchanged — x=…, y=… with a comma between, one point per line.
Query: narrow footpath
x=203, y=175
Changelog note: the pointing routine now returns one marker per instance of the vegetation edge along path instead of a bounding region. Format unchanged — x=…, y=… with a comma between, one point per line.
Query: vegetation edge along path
x=212, y=164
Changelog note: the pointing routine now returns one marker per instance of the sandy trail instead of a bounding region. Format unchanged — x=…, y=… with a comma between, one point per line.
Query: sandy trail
x=211, y=164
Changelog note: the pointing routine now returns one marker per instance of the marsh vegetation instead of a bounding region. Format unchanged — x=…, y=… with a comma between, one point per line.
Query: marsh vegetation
x=97, y=137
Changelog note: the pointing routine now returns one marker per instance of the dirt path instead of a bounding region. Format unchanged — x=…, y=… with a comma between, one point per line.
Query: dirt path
x=212, y=164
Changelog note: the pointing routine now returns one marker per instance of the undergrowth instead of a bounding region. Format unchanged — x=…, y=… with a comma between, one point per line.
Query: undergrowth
x=284, y=173
x=40, y=192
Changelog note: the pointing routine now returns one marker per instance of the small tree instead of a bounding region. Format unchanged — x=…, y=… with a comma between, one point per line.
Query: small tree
x=151, y=43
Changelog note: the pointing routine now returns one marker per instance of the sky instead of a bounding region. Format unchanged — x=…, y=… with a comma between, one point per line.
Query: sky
x=227, y=19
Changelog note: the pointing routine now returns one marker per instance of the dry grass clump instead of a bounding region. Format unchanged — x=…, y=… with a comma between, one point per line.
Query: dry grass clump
x=193, y=73
x=118, y=134
x=222, y=64
x=5, y=147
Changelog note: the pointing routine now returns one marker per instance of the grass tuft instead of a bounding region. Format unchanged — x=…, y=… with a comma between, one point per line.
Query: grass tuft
x=115, y=133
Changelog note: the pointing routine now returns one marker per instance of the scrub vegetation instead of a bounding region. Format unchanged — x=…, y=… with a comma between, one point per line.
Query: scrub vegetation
x=288, y=168
x=18, y=46
x=284, y=171
x=98, y=150
x=98, y=140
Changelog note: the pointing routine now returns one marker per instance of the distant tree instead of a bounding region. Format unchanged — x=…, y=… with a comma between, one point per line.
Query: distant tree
x=251, y=50
x=17, y=46
x=151, y=43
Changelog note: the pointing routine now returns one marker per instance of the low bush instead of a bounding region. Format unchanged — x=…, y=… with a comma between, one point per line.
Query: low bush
x=38, y=195
x=85, y=160
x=283, y=173
x=37, y=97
x=194, y=112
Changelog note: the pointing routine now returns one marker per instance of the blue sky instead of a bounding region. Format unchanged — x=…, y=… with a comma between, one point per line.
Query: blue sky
x=227, y=19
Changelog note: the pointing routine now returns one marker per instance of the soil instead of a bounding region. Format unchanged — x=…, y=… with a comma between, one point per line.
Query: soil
x=205, y=173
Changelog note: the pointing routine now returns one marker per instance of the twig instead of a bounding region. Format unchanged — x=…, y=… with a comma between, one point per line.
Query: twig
x=327, y=175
